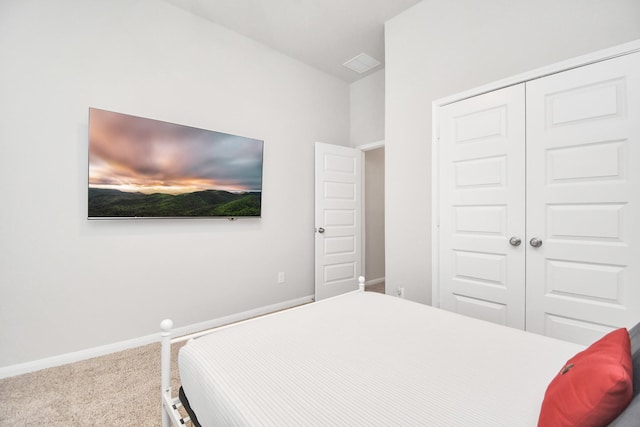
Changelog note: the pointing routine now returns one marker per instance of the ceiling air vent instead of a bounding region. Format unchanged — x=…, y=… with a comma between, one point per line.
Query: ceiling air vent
x=362, y=63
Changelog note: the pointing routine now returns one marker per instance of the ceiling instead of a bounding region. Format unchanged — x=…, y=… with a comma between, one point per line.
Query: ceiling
x=321, y=33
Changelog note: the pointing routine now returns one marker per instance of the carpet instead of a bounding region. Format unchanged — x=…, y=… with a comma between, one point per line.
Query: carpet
x=119, y=389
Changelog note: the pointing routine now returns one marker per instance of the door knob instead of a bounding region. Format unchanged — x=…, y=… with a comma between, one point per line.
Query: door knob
x=535, y=242
x=515, y=241
x=320, y=230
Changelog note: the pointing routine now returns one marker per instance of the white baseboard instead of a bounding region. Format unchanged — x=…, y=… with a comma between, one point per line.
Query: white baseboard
x=76, y=356
x=374, y=281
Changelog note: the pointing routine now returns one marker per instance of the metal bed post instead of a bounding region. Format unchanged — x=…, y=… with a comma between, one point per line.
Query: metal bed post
x=361, y=283
x=170, y=405
x=165, y=366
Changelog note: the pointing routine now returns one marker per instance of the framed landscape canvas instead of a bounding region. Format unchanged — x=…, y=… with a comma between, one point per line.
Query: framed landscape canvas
x=144, y=168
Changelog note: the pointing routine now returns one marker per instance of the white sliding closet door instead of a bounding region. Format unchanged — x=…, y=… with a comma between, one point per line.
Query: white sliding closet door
x=583, y=200
x=481, y=152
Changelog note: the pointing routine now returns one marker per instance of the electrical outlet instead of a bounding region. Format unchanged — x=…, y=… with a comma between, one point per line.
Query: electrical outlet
x=401, y=292
x=281, y=277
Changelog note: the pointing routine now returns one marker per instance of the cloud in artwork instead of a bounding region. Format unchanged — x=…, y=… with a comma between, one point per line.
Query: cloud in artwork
x=134, y=154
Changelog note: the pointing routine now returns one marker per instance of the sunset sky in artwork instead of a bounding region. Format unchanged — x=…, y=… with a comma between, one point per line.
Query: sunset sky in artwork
x=134, y=154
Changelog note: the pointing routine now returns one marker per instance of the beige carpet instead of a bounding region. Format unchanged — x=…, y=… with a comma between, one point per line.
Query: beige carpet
x=120, y=389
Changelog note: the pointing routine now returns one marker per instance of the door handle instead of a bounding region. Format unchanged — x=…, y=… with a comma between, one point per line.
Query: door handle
x=535, y=242
x=515, y=241
x=320, y=230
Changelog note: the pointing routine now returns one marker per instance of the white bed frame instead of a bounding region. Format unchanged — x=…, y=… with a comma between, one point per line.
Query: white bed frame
x=170, y=405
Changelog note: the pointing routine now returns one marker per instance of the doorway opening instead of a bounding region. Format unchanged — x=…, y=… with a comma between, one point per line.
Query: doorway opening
x=373, y=241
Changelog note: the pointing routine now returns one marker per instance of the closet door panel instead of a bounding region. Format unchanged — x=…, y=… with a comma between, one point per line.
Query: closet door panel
x=583, y=197
x=481, y=153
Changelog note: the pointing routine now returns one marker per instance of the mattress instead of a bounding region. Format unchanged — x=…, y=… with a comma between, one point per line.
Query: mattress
x=369, y=359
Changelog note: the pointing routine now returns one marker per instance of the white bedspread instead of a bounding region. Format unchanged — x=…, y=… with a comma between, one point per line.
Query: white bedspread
x=366, y=359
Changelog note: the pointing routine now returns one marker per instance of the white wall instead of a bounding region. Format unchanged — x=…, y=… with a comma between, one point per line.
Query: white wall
x=438, y=48
x=367, y=109
x=68, y=284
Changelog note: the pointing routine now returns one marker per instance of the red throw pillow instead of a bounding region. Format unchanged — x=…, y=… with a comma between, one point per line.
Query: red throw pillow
x=593, y=387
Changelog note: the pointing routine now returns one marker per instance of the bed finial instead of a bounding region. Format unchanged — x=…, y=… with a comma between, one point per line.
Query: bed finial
x=166, y=325
x=361, y=283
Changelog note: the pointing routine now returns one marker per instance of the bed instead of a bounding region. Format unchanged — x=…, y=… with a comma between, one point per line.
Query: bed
x=367, y=359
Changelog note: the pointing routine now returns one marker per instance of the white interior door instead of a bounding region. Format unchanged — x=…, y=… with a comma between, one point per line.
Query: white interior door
x=338, y=212
x=583, y=197
x=482, y=202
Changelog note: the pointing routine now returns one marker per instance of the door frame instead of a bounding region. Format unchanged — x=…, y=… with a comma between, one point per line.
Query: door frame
x=580, y=61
